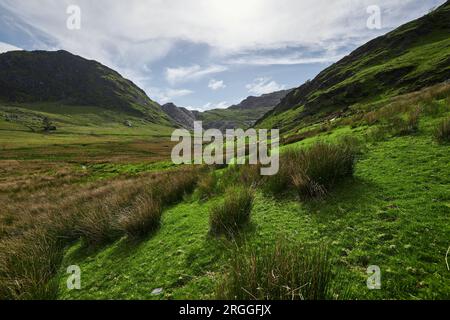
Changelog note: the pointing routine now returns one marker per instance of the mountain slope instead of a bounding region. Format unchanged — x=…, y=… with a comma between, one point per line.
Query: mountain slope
x=244, y=114
x=182, y=116
x=265, y=101
x=62, y=77
x=412, y=57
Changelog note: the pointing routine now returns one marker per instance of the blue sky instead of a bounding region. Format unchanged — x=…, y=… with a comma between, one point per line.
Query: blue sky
x=205, y=54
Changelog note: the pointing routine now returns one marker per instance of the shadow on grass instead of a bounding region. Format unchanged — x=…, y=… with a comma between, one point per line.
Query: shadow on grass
x=344, y=197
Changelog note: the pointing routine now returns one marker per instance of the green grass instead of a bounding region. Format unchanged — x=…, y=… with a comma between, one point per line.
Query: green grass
x=241, y=118
x=80, y=125
x=394, y=213
x=84, y=135
x=280, y=272
x=109, y=170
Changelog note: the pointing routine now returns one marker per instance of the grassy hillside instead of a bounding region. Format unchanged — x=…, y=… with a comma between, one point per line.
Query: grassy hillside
x=364, y=180
x=411, y=57
x=60, y=107
x=242, y=115
x=66, y=79
x=232, y=118
x=393, y=213
x=86, y=133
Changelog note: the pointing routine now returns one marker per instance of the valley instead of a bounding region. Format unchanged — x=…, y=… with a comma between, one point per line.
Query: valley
x=87, y=180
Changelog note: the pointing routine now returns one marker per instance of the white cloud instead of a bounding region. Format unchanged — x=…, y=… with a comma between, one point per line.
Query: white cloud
x=129, y=35
x=211, y=106
x=133, y=32
x=261, y=60
x=195, y=72
x=216, y=84
x=167, y=95
x=264, y=85
x=5, y=47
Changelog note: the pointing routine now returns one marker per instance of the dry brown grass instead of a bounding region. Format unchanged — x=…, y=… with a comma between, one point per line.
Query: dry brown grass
x=389, y=112
x=142, y=218
x=38, y=219
x=208, y=186
x=28, y=264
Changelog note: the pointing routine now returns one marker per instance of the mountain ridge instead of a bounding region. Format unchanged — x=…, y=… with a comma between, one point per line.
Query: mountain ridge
x=411, y=57
x=59, y=76
x=241, y=115
x=182, y=116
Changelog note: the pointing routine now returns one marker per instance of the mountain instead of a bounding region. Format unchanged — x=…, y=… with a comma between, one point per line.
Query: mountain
x=42, y=76
x=414, y=56
x=269, y=100
x=182, y=116
x=242, y=115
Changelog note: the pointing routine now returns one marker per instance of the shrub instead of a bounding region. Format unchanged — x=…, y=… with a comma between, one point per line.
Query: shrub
x=142, y=218
x=278, y=183
x=311, y=172
x=285, y=272
x=234, y=213
x=442, y=132
x=320, y=167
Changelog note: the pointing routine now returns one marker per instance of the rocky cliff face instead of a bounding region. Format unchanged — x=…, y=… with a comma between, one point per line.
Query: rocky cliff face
x=182, y=116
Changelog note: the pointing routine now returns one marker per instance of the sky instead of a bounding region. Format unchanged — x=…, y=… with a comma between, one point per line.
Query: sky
x=205, y=54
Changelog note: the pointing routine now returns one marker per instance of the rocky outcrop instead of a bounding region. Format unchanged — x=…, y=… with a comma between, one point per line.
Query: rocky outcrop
x=182, y=116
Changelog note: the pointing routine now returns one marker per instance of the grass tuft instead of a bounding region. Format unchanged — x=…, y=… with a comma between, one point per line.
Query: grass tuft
x=207, y=186
x=311, y=172
x=442, y=132
x=285, y=272
x=404, y=127
x=28, y=265
x=97, y=223
x=234, y=213
x=143, y=218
